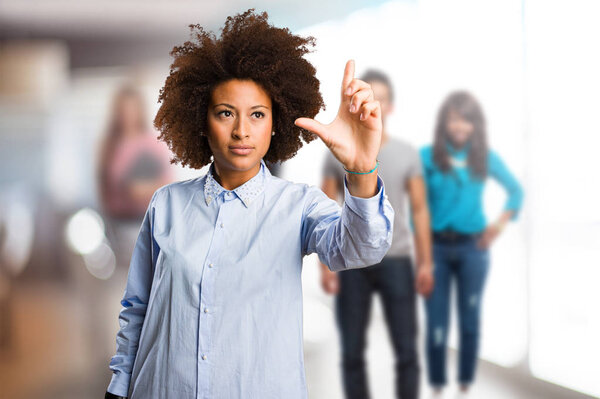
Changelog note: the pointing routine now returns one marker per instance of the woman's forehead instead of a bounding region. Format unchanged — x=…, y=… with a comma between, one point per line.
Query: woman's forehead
x=240, y=94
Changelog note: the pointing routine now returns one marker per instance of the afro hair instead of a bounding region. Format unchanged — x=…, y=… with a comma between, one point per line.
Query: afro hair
x=249, y=48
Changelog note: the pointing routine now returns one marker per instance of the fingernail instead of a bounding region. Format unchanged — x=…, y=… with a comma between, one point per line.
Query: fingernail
x=361, y=117
x=349, y=91
x=352, y=108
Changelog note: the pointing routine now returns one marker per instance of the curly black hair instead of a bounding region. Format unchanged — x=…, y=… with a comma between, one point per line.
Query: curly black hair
x=248, y=48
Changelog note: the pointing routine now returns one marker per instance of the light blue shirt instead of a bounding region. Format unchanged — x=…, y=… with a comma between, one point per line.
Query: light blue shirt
x=213, y=303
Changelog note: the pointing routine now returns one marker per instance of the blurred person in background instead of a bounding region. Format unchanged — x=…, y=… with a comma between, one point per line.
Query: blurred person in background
x=133, y=164
x=393, y=278
x=213, y=302
x=457, y=166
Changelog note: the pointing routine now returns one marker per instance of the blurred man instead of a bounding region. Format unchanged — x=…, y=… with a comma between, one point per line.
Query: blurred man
x=394, y=279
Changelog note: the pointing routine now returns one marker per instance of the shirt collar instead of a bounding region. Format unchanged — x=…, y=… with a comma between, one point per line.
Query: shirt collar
x=247, y=192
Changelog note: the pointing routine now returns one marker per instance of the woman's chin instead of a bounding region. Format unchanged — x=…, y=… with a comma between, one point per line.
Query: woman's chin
x=242, y=164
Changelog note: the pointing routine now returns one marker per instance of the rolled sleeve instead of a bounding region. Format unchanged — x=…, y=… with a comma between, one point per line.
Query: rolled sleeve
x=365, y=208
x=369, y=225
x=358, y=236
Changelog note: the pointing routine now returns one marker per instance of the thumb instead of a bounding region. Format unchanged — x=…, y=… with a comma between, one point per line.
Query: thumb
x=313, y=126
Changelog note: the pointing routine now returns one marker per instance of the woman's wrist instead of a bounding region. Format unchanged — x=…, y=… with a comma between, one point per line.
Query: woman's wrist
x=362, y=186
x=499, y=226
x=359, y=171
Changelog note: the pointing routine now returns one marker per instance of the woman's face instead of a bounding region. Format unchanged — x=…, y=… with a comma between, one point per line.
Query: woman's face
x=240, y=121
x=130, y=116
x=459, y=129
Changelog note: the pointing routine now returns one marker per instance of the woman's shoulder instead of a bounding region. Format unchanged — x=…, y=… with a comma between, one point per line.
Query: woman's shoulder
x=182, y=188
x=426, y=150
x=426, y=154
x=285, y=186
x=494, y=159
x=300, y=193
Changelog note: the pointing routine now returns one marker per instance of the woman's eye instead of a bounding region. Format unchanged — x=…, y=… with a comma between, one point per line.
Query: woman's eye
x=225, y=113
x=258, y=114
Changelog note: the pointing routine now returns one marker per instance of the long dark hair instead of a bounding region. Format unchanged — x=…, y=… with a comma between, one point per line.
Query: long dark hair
x=464, y=104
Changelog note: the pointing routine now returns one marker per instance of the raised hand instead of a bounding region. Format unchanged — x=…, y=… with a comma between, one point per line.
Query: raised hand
x=354, y=136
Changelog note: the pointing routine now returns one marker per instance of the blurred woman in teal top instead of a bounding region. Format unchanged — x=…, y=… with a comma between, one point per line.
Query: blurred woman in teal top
x=457, y=166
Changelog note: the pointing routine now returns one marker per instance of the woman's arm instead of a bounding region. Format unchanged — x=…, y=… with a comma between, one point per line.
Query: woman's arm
x=362, y=234
x=514, y=201
x=329, y=280
x=135, y=302
x=358, y=235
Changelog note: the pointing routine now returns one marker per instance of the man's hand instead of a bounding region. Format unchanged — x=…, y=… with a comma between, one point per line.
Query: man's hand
x=330, y=282
x=424, y=281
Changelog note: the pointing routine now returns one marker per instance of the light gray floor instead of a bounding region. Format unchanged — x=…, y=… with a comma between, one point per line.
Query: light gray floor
x=322, y=358
x=63, y=337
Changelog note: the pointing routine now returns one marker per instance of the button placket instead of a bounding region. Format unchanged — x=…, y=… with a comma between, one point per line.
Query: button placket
x=207, y=306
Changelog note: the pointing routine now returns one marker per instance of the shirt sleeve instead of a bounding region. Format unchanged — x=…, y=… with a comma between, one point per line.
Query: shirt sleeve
x=500, y=172
x=415, y=166
x=135, y=302
x=357, y=235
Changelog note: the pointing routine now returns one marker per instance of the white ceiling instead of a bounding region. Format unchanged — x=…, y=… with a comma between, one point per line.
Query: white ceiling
x=86, y=19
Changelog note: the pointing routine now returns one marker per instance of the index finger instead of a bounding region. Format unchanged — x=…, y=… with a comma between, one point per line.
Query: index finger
x=348, y=75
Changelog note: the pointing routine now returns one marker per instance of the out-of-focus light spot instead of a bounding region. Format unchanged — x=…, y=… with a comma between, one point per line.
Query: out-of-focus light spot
x=85, y=231
x=19, y=226
x=101, y=262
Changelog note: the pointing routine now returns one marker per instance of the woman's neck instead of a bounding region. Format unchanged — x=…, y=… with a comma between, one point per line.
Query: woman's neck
x=457, y=148
x=231, y=179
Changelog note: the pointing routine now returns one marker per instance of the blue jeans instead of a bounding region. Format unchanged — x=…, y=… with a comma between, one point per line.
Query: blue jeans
x=393, y=278
x=466, y=264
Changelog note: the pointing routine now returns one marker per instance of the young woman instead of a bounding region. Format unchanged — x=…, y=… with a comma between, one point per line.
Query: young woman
x=213, y=303
x=133, y=164
x=456, y=169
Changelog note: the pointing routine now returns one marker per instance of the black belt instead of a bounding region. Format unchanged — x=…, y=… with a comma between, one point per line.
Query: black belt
x=449, y=236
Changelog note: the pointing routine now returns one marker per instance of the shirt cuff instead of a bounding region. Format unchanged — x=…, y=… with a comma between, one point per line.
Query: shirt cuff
x=119, y=384
x=365, y=207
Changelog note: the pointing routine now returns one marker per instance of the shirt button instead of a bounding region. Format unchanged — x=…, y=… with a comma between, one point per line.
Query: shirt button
x=204, y=357
x=205, y=310
x=210, y=265
x=222, y=225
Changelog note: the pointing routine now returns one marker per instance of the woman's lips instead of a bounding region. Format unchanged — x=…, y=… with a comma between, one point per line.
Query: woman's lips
x=241, y=149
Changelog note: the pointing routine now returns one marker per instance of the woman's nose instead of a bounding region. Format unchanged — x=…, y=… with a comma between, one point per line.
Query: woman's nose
x=241, y=128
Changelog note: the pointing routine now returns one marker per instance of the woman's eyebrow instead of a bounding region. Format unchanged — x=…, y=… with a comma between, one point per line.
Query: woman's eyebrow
x=225, y=104
x=232, y=107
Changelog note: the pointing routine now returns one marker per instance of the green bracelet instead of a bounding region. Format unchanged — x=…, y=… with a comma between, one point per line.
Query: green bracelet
x=363, y=173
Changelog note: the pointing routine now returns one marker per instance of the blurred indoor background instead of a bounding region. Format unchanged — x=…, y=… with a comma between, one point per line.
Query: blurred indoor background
x=74, y=72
